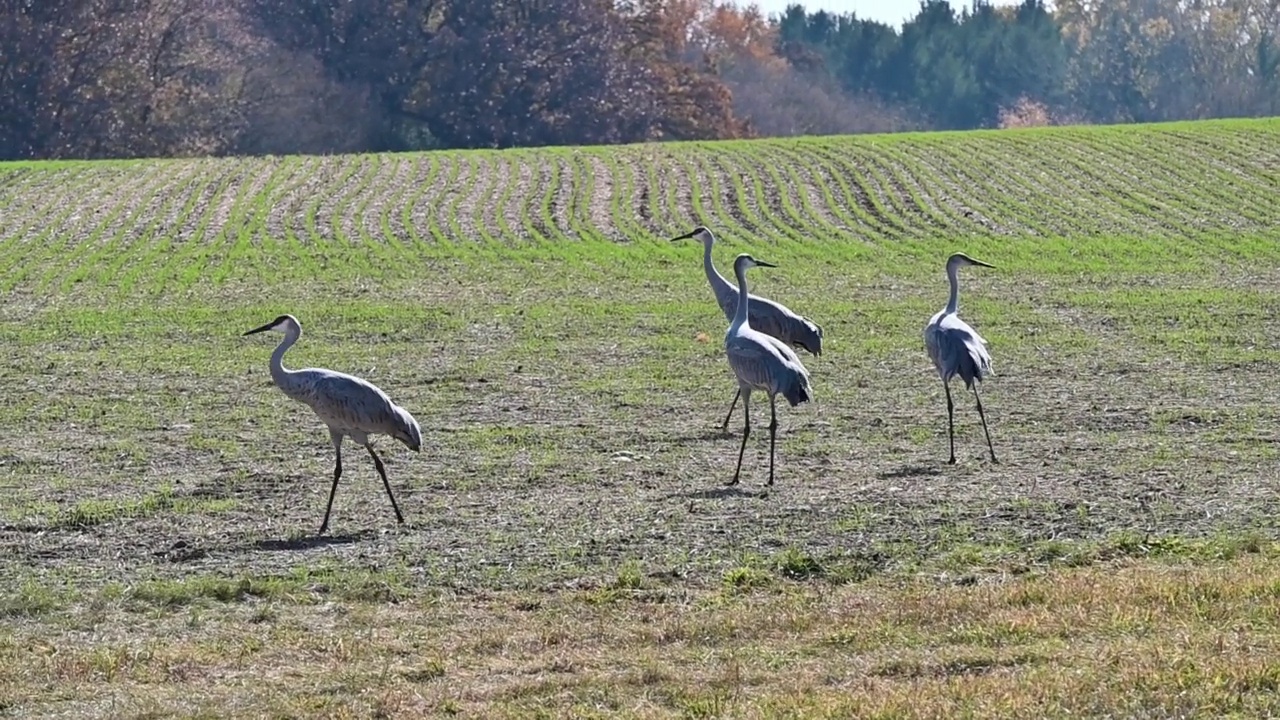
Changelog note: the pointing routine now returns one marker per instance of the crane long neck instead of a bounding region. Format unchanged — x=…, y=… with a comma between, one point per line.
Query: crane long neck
x=282, y=375
x=718, y=281
x=953, y=302
x=740, y=318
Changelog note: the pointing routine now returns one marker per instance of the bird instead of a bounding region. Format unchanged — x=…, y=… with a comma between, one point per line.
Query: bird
x=348, y=405
x=769, y=317
x=958, y=349
x=761, y=362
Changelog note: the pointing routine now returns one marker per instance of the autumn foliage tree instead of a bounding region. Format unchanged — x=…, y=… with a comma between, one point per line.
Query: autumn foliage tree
x=100, y=78
x=506, y=72
x=535, y=73
x=96, y=78
x=66, y=71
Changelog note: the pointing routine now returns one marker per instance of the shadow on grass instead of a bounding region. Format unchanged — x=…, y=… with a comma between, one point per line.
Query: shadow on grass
x=706, y=436
x=909, y=471
x=308, y=543
x=724, y=491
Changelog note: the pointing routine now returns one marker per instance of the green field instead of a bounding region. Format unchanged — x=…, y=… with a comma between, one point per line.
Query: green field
x=570, y=547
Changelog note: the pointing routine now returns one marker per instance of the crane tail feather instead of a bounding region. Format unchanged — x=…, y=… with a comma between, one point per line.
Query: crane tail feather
x=798, y=392
x=809, y=337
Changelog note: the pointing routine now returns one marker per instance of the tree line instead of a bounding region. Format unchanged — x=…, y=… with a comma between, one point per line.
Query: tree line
x=129, y=78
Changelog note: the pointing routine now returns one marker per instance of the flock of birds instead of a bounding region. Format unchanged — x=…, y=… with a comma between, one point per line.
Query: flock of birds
x=759, y=346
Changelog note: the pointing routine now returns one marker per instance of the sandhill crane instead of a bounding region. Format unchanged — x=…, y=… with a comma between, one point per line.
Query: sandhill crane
x=761, y=362
x=957, y=349
x=349, y=405
x=766, y=316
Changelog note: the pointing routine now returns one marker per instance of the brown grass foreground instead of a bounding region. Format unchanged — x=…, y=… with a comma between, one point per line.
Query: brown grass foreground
x=1129, y=638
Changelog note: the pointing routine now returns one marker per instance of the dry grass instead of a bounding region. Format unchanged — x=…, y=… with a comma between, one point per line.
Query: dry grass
x=1131, y=639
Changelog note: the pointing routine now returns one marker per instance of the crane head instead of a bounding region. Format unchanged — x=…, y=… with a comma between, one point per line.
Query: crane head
x=284, y=323
x=960, y=260
x=746, y=261
x=701, y=233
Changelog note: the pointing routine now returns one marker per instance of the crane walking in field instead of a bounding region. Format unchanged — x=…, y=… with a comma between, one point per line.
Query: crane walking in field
x=349, y=405
x=766, y=316
x=957, y=349
x=761, y=362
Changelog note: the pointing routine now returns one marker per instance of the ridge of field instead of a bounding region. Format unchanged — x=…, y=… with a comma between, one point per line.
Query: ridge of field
x=566, y=364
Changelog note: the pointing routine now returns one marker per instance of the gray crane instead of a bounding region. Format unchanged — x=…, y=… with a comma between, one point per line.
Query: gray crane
x=958, y=349
x=761, y=362
x=767, y=316
x=349, y=405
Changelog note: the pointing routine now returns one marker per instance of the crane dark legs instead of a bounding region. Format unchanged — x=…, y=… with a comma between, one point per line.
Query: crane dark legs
x=951, y=432
x=377, y=462
x=984, y=424
x=724, y=426
x=773, y=433
x=337, y=473
x=746, y=432
x=951, y=428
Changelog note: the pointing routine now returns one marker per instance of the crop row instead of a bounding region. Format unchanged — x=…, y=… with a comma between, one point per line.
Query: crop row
x=178, y=220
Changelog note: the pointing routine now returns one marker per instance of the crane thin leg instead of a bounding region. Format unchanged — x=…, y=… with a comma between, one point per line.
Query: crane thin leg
x=951, y=428
x=984, y=424
x=746, y=432
x=773, y=434
x=724, y=426
x=337, y=473
x=377, y=462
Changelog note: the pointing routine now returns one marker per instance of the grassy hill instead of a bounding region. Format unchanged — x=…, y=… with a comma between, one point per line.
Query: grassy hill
x=568, y=545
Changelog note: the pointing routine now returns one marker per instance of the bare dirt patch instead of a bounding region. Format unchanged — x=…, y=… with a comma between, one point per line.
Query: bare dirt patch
x=333, y=215
x=183, y=195
x=960, y=201
x=28, y=198
x=812, y=180
x=562, y=196
x=499, y=177
x=426, y=210
x=289, y=199
x=239, y=195
x=522, y=199
x=539, y=215
x=640, y=190
x=377, y=200
x=470, y=198
x=739, y=203
x=778, y=184
x=600, y=210
x=852, y=174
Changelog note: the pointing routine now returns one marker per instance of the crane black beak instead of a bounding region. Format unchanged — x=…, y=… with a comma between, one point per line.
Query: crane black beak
x=761, y=263
x=982, y=264
x=264, y=328
x=685, y=236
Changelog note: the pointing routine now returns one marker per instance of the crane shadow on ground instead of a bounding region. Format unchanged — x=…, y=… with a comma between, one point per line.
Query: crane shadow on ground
x=909, y=471
x=718, y=493
x=311, y=542
x=705, y=436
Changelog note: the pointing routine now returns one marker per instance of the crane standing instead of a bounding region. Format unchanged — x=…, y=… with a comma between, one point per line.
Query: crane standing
x=761, y=362
x=958, y=349
x=766, y=316
x=347, y=404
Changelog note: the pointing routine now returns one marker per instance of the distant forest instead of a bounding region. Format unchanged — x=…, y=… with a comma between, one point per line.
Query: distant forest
x=129, y=78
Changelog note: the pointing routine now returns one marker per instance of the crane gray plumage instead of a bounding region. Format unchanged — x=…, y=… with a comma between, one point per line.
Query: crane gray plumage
x=761, y=362
x=765, y=315
x=348, y=405
x=957, y=349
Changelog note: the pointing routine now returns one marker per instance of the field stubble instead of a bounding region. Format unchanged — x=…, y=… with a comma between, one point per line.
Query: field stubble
x=569, y=394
